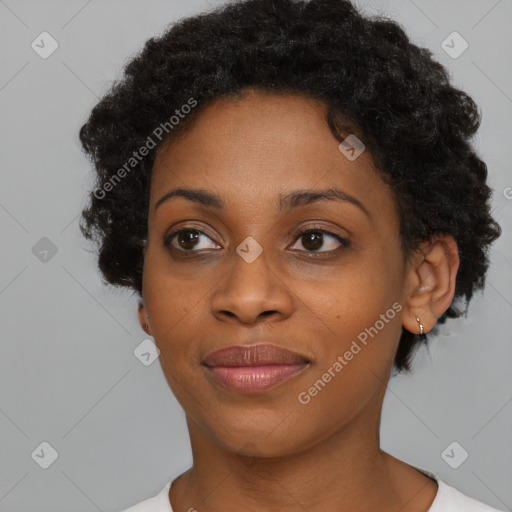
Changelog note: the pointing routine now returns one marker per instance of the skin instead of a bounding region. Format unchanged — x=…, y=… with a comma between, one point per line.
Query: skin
x=269, y=451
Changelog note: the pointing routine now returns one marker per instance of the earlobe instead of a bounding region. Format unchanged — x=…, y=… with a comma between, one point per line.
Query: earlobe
x=432, y=277
x=422, y=330
x=143, y=318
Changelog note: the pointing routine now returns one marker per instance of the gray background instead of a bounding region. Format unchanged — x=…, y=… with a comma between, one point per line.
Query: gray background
x=68, y=374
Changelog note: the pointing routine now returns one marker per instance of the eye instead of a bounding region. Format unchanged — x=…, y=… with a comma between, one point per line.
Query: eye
x=188, y=240
x=313, y=239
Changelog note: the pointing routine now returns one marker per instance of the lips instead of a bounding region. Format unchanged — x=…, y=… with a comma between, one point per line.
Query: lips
x=255, y=368
x=253, y=355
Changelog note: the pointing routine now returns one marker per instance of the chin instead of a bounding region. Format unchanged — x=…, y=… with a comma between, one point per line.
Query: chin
x=262, y=439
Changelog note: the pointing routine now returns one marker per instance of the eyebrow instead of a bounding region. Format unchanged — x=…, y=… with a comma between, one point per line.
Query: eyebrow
x=286, y=201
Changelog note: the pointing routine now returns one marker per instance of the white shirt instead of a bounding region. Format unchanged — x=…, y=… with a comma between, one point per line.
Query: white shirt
x=447, y=499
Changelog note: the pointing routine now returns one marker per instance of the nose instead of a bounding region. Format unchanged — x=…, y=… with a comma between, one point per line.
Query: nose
x=251, y=292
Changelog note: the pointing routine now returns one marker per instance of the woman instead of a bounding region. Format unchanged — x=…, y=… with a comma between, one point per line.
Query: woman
x=290, y=189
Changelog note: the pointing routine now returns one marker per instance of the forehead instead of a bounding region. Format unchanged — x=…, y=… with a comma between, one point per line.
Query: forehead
x=243, y=125
x=263, y=144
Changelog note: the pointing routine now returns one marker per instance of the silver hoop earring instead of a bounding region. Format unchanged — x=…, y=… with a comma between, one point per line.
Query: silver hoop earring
x=421, y=326
x=423, y=336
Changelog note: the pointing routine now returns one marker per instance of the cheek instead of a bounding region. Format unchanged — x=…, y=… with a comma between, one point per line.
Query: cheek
x=174, y=304
x=352, y=297
x=354, y=356
x=357, y=324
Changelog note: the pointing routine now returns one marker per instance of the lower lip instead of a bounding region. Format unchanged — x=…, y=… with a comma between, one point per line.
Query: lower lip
x=254, y=379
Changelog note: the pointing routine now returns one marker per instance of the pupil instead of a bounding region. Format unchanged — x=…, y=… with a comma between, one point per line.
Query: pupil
x=315, y=237
x=311, y=241
x=188, y=237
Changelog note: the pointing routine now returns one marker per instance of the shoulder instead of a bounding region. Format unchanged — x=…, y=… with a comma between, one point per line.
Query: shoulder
x=148, y=505
x=143, y=506
x=449, y=499
x=158, y=503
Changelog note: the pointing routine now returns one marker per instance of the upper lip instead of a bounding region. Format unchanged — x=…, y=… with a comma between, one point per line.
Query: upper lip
x=253, y=355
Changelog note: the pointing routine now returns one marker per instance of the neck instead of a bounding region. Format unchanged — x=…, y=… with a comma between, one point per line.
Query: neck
x=346, y=471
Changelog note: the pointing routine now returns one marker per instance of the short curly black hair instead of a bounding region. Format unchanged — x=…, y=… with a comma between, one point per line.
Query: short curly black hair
x=374, y=82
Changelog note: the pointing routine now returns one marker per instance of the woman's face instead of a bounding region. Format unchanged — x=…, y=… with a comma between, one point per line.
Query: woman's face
x=312, y=294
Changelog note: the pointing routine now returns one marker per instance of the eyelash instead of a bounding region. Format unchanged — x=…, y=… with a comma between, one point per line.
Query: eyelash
x=343, y=241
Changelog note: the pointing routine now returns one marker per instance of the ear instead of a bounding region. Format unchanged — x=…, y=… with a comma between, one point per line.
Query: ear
x=143, y=321
x=430, y=282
